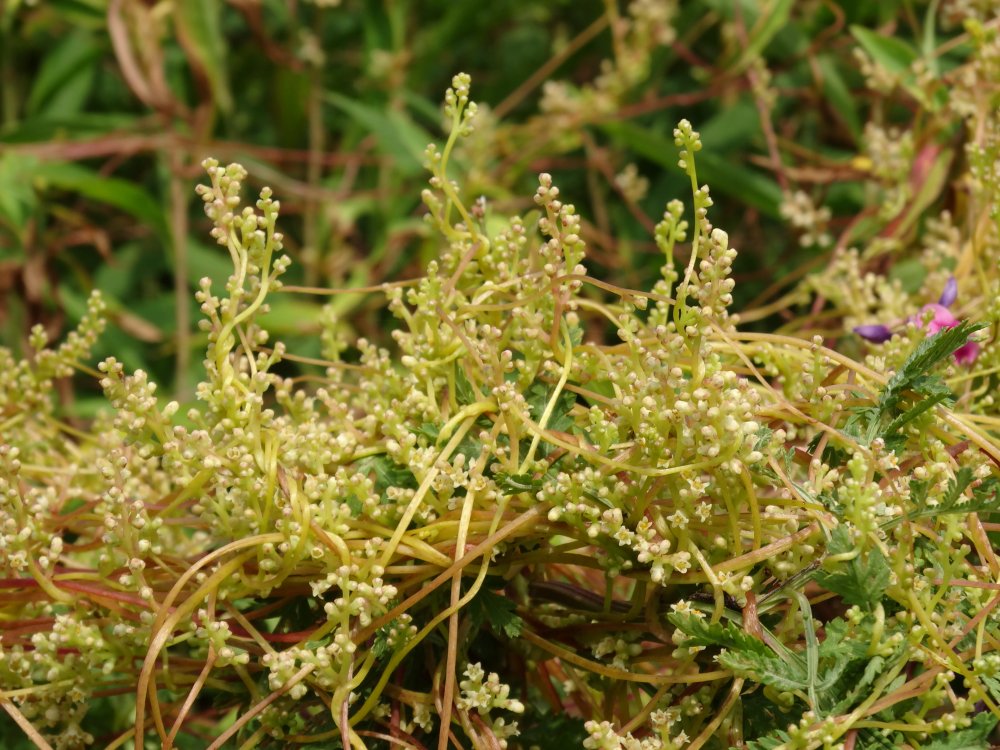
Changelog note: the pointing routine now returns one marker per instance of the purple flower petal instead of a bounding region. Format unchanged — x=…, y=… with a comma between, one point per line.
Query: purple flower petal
x=874, y=332
x=950, y=293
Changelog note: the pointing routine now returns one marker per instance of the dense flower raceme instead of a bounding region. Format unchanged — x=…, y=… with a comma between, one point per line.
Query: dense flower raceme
x=933, y=317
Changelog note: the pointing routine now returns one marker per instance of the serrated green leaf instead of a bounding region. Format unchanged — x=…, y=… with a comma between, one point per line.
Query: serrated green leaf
x=465, y=394
x=917, y=410
x=985, y=497
x=975, y=737
x=861, y=581
x=873, y=739
x=497, y=611
x=911, y=392
x=859, y=689
x=386, y=473
x=779, y=738
x=770, y=670
x=929, y=353
x=355, y=505
x=957, y=486
x=538, y=395
x=429, y=431
x=837, y=642
x=701, y=632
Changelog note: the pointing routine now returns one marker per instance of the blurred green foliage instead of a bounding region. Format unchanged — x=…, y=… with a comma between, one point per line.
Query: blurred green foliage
x=109, y=105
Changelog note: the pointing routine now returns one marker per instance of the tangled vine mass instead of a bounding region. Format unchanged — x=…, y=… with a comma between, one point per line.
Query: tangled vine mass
x=550, y=510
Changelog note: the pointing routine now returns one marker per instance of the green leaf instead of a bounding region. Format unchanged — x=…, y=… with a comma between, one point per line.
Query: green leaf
x=701, y=632
x=779, y=738
x=913, y=375
x=429, y=431
x=917, y=410
x=910, y=273
x=891, y=52
x=538, y=395
x=210, y=261
x=110, y=190
x=82, y=125
x=355, y=505
x=386, y=473
x=17, y=199
x=772, y=20
x=733, y=128
x=546, y=730
x=897, y=56
x=985, y=497
x=974, y=737
x=198, y=25
x=288, y=315
x=380, y=645
x=90, y=13
x=497, y=611
x=398, y=136
x=928, y=43
x=912, y=384
x=116, y=279
x=957, y=487
x=839, y=96
x=465, y=394
x=724, y=175
x=770, y=670
x=875, y=739
x=860, y=581
x=859, y=689
x=65, y=77
x=601, y=388
x=933, y=181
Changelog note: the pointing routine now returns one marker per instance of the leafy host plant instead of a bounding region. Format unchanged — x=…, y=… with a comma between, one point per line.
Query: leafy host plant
x=558, y=511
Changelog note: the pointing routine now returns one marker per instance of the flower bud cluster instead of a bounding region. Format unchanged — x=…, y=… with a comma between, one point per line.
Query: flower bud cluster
x=646, y=26
x=26, y=384
x=811, y=222
x=358, y=598
x=486, y=695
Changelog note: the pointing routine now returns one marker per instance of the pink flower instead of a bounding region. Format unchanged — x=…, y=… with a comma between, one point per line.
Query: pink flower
x=942, y=318
x=965, y=354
